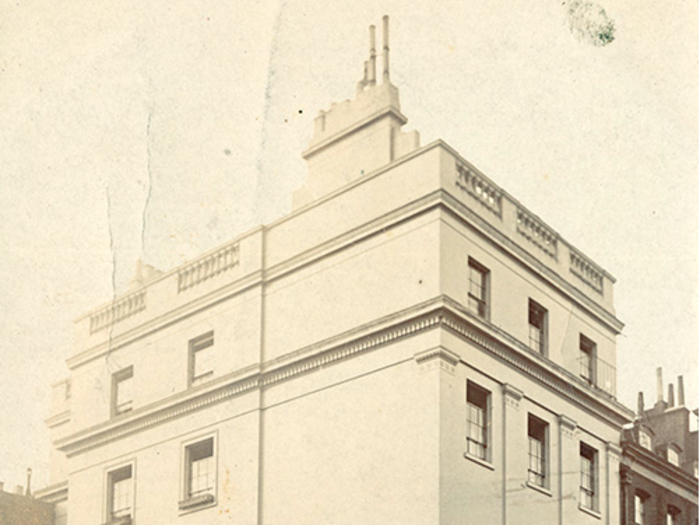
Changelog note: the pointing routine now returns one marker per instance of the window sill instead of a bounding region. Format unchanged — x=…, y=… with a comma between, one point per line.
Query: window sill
x=121, y=413
x=126, y=520
x=590, y=511
x=479, y=461
x=200, y=380
x=197, y=503
x=539, y=488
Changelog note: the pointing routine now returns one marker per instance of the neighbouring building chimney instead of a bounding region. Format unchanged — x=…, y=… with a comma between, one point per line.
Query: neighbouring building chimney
x=671, y=398
x=659, y=385
x=640, y=405
x=2, y=486
x=29, y=482
x=681, y=392
x=142, y=274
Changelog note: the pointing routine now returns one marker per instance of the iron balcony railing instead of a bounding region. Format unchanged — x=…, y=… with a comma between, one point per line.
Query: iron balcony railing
x=598, y=374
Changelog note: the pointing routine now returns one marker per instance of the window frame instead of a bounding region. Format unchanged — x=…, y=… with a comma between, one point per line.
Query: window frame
x=641, y=500
x=118, y=378
x=189, y=501
x=539, y=478
x=482, y=448
x=673, y=515
x=483, y=302
x=195, y=345
x=587, y=347
x=672, y=451
x=109, y=498
x=543, y=316
x=591, y=498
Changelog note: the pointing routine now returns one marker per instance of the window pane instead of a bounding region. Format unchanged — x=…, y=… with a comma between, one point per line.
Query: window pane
x=477, y=421
x=537, y=451
x=536, y=321
x=588, y=476
x=201, y=476
x=477, y=288
x=202, y=357
x=203, y=362
x=535, y=338
x=638, y=510
x=673, y=458
x=120, y=493
x=587, y=358
x=201, y=468
x=123, y=391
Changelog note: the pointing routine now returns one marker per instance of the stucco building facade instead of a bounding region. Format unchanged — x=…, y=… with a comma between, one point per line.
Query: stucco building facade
x=410, y=344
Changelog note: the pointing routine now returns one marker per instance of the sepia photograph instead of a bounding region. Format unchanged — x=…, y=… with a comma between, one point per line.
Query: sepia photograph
x=292, y=262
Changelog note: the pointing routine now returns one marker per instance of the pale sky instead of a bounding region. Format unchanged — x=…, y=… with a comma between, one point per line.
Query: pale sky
x=162, y=129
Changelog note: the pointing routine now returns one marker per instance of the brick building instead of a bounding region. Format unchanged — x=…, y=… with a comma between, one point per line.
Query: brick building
x=659, y=471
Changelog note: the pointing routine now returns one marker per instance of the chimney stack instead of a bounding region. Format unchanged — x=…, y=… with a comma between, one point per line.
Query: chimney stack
x=659, y=385
x=681, y=392
x=640, y=405
x=671, y=399
x=19, y=490
x=2, y=486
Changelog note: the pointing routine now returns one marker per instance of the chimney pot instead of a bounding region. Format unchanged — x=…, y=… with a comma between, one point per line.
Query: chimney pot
x=681, y=392
x=671, y=399
x=659, y=385
x=29, y=482
x=640, y=405
x=385, y=50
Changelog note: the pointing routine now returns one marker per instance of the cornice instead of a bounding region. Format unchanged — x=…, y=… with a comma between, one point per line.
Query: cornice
x=461, y=212
x=546, y=372
x=641, y=456
x=440, y=353
x=519, y=204
x=424, y=204
x=56, y=493
x=362, y=233
x=198, y=304
x=387, y=110
x=175, y=407
x=567, y=424
x=254, y=378
x=435, y=200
